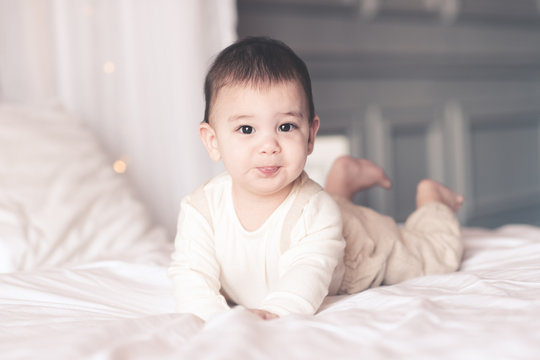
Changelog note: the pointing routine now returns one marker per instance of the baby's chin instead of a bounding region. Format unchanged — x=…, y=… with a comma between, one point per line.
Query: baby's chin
x=270, y=187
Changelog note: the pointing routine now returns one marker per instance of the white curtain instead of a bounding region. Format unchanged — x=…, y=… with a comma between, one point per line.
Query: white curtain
x=132, y=70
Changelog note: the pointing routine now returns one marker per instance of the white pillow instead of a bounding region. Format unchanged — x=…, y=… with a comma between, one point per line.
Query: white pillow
x=61, y=203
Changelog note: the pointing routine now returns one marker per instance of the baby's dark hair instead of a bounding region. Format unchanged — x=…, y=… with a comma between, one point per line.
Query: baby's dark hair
x=256, y=61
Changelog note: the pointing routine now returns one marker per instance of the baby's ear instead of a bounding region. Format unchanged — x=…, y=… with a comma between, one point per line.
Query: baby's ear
x=313, y=133
x=209, y=139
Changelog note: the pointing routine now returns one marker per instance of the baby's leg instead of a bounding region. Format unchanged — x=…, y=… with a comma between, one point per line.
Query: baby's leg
x=430, y=240
x=432, y=191
x=349, y=175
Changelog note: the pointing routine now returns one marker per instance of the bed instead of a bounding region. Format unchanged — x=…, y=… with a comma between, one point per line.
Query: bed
x=83, y=276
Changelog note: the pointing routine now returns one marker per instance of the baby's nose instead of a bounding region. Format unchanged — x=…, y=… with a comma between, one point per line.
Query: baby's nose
x=270, y=146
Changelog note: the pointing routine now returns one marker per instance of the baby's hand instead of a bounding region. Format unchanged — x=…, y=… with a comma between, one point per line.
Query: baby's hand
x=263, y=314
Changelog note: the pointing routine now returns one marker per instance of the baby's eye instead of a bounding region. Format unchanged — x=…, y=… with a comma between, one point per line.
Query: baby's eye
x=245, y=129
x=287, y=127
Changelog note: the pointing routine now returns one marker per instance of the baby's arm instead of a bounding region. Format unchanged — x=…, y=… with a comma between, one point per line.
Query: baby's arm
x=307, y=267
x=194, y=270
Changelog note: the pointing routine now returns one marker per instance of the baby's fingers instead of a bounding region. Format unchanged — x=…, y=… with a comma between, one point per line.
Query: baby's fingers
x=263, y=314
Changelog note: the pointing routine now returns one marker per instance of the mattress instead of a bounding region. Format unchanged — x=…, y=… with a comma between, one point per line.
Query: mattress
x=83, y=276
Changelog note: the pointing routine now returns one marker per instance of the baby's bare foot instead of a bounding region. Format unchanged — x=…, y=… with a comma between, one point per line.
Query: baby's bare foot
x=432, y=191
x=349, y=175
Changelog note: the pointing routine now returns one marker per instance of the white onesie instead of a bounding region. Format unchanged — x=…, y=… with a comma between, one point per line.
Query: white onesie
x=249, y=266
x=284, y=273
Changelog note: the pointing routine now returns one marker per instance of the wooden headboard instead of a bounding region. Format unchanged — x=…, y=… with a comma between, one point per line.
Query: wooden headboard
x=444, y=89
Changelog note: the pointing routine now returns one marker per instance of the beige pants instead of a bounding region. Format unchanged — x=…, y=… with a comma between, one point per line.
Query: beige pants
x=378, y=251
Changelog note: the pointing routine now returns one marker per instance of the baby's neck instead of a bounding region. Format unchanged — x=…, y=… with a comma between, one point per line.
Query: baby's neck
x=253, y=210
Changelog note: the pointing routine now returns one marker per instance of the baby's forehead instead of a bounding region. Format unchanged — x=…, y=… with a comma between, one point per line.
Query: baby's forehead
x=241, y=96
x=261, y=84
x=261, y=87
x=238, y=90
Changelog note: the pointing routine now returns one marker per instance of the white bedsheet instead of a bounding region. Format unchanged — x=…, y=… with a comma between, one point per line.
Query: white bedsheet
x=83, y=276
x=61, y=203
x=490, y=309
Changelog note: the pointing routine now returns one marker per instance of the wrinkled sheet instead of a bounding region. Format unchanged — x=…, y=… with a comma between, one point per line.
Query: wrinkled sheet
x=83, y=276
x=61, y=203
x=490, y=309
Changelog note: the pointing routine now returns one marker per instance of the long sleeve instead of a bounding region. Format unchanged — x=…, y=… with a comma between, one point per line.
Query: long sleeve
x=306, y=269
x=194, y=269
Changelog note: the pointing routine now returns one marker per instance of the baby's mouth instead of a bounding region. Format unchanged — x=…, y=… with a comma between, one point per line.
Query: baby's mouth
x=268, y=170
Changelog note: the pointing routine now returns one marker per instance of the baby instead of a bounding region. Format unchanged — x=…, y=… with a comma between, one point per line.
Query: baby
x=263, y=235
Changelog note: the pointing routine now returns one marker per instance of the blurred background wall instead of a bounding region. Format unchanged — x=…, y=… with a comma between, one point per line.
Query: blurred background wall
x=445, y=89
x=132, y=71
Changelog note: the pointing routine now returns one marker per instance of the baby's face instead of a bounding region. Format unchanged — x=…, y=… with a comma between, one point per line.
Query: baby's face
x=262, y=134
